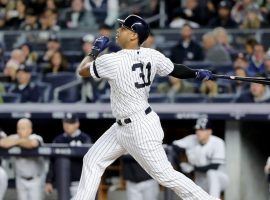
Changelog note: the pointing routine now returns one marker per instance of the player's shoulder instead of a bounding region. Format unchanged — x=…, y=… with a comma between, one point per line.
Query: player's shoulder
x=109, y=56
x=151, y=51
x=217, y=140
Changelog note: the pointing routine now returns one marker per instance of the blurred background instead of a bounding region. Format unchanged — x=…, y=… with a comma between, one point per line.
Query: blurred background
x=43, y=41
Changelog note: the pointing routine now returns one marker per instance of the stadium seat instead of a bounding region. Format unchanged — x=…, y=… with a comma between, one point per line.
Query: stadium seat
x=158, y=98
x=58, y=79
x=11, y=98
x=44, y=91
x=189, y=98
x=104, y=98
x=222, y=98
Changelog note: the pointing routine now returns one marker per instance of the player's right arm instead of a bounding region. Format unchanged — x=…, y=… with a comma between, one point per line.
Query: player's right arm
x=99, y=45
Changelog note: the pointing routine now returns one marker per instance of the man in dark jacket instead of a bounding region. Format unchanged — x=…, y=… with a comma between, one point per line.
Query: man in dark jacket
x=28, y=90
x=187, y=49
x=74, y=137
x=224, y=17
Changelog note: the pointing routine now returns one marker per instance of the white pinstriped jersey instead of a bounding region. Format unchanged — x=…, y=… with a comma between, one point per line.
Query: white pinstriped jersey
x=200, y=155
x=130, y=74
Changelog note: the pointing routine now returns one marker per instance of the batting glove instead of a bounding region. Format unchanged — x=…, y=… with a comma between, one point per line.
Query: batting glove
x=203, y=74
x=99, y=45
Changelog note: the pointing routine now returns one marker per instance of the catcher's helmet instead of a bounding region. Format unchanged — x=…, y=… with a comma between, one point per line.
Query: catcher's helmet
x=137, y=25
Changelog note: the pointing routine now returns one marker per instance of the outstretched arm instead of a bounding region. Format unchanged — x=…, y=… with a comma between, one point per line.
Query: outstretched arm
x=184, y=72
x=99, y=45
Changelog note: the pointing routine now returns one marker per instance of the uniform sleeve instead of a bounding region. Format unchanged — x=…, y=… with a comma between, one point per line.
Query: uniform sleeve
x=185, y=142
x=219, y=153
x=36, y=137
x=164, y=64
x=104, y=66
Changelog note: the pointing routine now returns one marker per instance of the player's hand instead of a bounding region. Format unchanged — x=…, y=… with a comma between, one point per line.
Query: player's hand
x=48, y=188
x=203, y=74
x=101, y=43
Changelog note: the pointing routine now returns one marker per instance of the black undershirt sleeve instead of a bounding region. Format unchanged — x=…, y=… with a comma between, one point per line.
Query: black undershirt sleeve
x=206, y=167
x=182, y=72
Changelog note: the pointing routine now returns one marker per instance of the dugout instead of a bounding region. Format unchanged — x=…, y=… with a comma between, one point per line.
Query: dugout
x=243, y=126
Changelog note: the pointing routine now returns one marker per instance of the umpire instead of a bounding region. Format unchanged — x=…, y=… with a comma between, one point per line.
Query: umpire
x=74, y=137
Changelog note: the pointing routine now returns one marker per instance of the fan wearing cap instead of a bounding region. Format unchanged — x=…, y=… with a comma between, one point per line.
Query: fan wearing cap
x=73, y=136
x=29, y=91
x=224, y=16
x=206, y=157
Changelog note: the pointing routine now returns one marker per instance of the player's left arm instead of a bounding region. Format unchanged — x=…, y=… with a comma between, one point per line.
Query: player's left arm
x=99, y=45
x=166, y=67
x=184, y=72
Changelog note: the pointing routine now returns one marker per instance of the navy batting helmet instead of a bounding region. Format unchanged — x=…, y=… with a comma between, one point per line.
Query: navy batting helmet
x=137, y=25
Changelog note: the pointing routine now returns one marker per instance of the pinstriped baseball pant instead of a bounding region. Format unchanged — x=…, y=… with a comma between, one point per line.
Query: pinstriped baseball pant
x=142, y=138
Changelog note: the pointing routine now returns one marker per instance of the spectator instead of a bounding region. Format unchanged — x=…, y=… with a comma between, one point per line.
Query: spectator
x=241, y=9
x=57, y=63
x=10, y=70
x=256, y=62
x=31, y=21
x=74, y=137
x=31, y=57
x=78, y=17
x=87, y=43
x=14, y=17
x=251, y=21
x=224, y=17
x=241, y=61
x=139, y=185
x=267, y=66
x=29, y=170
x=249, y=46
x=29, y=91
x=150, y=41
x=3, y=174
x=18, y=56
x=105, y=11
x=209, y=88
x=214, y=52
x=222, y=38
x=190, y=13
x=257, y=93
x=187, y=49
x=49, y=20
x=206, y=157
x=238, y=87
x=175, y=86
x=53, y=45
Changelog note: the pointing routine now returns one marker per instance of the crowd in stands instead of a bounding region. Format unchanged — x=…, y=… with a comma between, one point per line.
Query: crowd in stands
x=41, y=67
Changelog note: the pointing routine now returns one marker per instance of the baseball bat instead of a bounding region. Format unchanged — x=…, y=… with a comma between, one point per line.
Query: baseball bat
x=261, y=80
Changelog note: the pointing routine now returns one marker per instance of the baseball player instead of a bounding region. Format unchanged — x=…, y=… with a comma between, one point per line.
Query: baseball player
x=74, y=137
x=29, y=171
x=206, y=157
x=137, y=130
x=3, y=174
